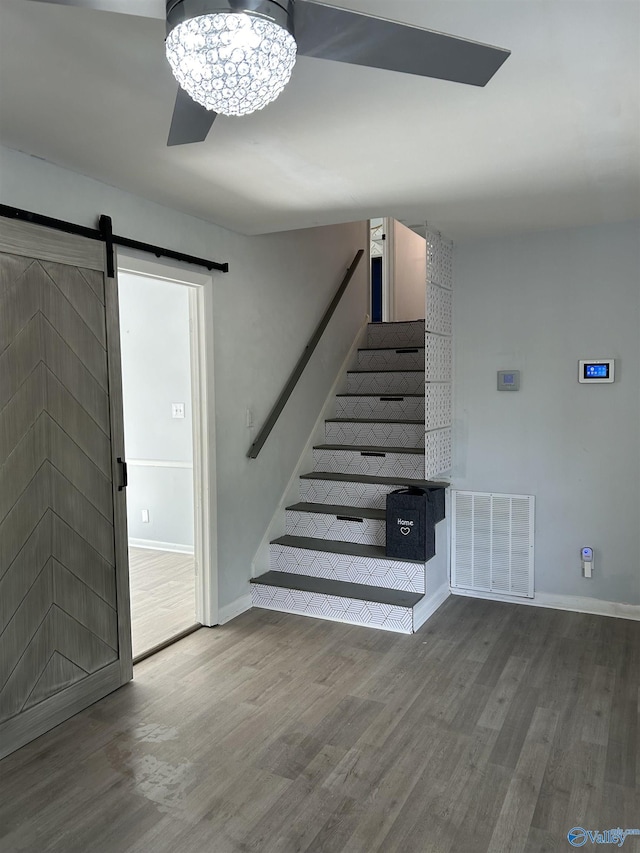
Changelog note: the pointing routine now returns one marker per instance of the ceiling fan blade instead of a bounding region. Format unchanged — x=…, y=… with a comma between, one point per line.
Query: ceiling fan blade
x=190, y=122
x=327, y=32
x=141, y=8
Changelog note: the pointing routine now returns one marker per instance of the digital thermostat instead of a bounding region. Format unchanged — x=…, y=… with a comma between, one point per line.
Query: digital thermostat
x=594, y=370
x=508, y=380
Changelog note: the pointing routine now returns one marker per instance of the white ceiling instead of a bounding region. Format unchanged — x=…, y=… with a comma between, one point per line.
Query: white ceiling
x=552, y=141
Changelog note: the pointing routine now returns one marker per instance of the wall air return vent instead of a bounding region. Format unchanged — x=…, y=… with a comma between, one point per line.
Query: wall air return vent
x=492, y=543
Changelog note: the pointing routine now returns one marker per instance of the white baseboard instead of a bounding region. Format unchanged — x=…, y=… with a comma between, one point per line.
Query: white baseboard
x=237, y=607
x=573, y=603
x=429, y=604
x=153, y=545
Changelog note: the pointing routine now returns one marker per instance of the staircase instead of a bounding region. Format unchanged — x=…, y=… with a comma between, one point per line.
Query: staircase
x=331, y=563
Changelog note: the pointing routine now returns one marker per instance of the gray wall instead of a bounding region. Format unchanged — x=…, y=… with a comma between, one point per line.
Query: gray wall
x=156, y=372
x=264, y=312
x=539, y=303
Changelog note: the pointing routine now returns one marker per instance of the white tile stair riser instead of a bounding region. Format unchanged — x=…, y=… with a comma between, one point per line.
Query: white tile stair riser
x=390, y=359
x=396, y=334
x=373, y=495
x=408, y=408
x=391, y=574
x=392, y=383
x=375, y=434
x=387, y=617
x=353, y=462
x=317, y=525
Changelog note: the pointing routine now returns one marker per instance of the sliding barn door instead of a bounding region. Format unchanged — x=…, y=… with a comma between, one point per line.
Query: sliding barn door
x=64, y=589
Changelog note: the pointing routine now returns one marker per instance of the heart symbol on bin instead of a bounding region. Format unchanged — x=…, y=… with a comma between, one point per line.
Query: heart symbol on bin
x=405, y=531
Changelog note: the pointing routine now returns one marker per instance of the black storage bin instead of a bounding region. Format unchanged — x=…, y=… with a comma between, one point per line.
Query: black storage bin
x=437, y=497
x=411, y=527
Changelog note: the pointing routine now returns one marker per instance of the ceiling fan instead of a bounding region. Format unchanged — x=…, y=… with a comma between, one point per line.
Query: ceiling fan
x=233, y=57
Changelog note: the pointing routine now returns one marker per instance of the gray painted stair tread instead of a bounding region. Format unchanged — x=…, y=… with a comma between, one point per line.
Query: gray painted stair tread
x=332, y=546
x=399, y=322
x=324, y=586
x=373, y=421
x=384, y=395
x=366, y=478
x=386, y=370
x=343, y=511
x=359, y=448
x=399, y=349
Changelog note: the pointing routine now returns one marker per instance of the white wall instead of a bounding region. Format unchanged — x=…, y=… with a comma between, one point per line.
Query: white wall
x=265, y=310
x=539, y=303
x=408, y=272
x=156, y=372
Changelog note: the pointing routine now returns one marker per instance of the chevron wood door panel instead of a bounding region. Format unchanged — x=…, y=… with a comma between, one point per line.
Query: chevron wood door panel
x=64, y=609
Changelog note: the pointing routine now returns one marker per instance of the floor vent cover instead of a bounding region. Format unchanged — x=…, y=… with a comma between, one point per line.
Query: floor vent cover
x=492, y=543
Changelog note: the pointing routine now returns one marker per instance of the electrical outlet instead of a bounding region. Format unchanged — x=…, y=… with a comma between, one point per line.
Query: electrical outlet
x=587, y=562
x=177, y=410
x=145, y=516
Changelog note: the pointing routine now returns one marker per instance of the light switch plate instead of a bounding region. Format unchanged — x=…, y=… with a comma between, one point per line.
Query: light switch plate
x=508, y=380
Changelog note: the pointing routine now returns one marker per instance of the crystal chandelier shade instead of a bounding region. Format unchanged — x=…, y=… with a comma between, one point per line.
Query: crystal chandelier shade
x=231, y=63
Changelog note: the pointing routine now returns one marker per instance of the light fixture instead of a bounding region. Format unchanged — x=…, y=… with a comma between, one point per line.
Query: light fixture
x=232, y=56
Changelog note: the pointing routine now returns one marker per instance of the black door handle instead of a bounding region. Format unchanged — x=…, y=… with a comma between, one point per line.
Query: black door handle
x=125, y=475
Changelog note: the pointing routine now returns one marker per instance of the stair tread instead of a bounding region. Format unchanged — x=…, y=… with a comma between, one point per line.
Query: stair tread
x=386, y=370
x=400, y=347
x=374, y=421
x=334, y=509
x=399, y=322
x=360, y=448
x=367, y=478
x=383, y=394
x=337, y=546
x=343, y=589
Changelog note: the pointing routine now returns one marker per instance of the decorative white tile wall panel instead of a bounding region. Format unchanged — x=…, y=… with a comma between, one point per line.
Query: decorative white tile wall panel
x=437, y=453
x=373, y=495
x=372, y=434
x=439, y=259
x=438, y=310
x=438, y=406
x=438, y=355
x=404, y=408
x=352, y=462
x=385, y=616
x=386, y=382
x=438, y=358
x=317, y=525
x=391, y=574
x=391, y=359
x=396, y=334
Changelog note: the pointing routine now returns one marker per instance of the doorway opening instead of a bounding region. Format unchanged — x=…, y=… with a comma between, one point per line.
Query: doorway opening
x=378, y=297
x=168, y=451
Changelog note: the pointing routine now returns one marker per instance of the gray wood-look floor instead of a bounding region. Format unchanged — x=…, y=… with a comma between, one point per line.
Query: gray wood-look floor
x=497, y=728
x=162, y=596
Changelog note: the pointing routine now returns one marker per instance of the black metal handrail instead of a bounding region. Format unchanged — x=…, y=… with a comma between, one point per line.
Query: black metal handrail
x=281, y=402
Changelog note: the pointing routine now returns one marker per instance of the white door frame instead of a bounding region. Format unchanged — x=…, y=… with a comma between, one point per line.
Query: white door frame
x=204, y=424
